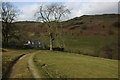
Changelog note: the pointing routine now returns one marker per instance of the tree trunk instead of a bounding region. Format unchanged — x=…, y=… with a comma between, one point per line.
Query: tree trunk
x=7, y=41
x=51, y=43
x=5, y=34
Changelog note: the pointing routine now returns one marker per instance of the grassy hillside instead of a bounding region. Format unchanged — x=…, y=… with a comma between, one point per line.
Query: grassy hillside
x=97, y=45
x=92, y=45
x=107, y=24
x=94, y=35
x=66, y=65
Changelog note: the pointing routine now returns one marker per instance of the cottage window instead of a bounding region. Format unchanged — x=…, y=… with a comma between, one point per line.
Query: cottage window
x=28, y=42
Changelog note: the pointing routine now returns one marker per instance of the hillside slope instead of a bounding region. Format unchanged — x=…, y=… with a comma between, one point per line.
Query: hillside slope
x=95, y=35
x=106, y=24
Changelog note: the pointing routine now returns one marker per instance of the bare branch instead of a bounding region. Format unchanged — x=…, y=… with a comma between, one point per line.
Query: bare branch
x=51, y=15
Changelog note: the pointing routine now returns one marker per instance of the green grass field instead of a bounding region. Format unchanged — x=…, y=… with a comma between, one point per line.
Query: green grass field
x=93, y=45
x=90, y=45
x=68, y=65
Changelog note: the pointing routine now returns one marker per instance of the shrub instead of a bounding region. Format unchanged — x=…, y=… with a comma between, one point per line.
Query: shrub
x=83, y=27
x=79, y=23
x=81, y=32
x=103, y=26
x=116, y=24
x=111, y=32
x=110, y=51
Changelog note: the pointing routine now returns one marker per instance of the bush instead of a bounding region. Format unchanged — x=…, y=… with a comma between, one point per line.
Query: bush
x=78, y=23
x=110, y=32
x=81, y=31
x=110, y=51
x=83, y=27
x=103, y=26
x=116, y=24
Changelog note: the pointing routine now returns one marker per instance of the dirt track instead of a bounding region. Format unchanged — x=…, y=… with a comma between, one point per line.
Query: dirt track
x=20, y=68
x=24, y=68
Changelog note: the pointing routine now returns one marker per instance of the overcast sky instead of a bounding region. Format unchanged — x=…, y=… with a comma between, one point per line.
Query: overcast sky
x=77, y=7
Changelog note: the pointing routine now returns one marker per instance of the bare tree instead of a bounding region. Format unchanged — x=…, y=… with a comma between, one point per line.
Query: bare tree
x=8, y=15
x=51, y=15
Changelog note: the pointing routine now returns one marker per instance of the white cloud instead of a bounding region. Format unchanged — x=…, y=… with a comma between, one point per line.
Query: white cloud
x=77, y=9
x=92, y=8
x=34, y=0
x=61, y=0
x=100, y=8
x=27, y=12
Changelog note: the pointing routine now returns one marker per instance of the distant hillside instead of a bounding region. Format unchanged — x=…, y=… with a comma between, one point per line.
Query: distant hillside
x=106, y=24
x=94, y=35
